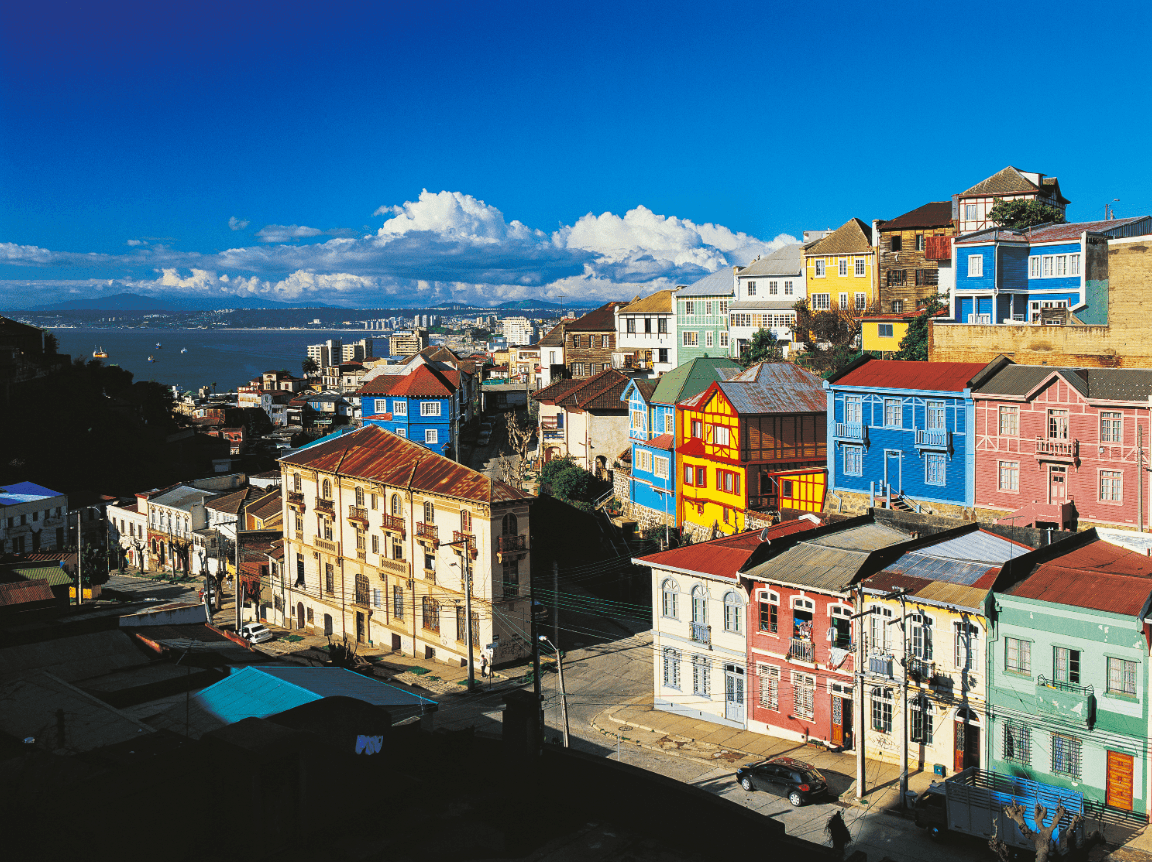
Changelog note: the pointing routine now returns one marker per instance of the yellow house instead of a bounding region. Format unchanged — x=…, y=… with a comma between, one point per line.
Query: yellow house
x=840, y=270
x=752, y=443
x=882, y=333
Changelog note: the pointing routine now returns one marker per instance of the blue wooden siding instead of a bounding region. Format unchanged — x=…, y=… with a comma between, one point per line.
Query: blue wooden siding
x=414, y=426
x=985, y=282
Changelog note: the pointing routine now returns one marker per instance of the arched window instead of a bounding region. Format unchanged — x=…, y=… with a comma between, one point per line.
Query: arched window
x=465, y=521
x=296, y=483
x=326, y=492
x=510, y=526
x=670, y=598
x=429, y=512
x=699, y=605
x=397, y=506
x=733, y=612
x=360, y=497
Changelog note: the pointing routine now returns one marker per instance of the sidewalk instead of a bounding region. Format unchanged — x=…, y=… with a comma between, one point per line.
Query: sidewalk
x=639, y=724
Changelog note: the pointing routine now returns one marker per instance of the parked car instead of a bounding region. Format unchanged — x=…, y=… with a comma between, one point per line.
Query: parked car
x=255, y=633
x=796, y=780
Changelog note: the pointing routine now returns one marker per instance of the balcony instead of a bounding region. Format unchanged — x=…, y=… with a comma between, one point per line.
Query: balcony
x=396, y=567
x=1057, y=450
x=462, y=540
x=853, y=432
x=802, y=649
x=361, y=554
x=933, y=439
x=394, y=524
x=920, y=670
x=880, y=664
x=326, y=507
x=428, y=534
x=296, y=501
x=1066, y=701
x=510, y=547
x=358, y=515
x=700, y=633
x=327, y=546
x=552, y=433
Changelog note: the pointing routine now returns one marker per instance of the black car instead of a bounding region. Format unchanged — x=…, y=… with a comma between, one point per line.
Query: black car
x=800, y=782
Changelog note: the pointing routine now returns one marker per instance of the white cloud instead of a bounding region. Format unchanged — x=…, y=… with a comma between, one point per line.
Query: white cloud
x=286, y=232
x=135, y=242
x=237, y=224
x=452, y=214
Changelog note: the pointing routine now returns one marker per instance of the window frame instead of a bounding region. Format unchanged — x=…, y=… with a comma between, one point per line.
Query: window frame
x=1023, y=663
x=768, y=696
x=430, y=408
x=1128, y=671
x=975, y=265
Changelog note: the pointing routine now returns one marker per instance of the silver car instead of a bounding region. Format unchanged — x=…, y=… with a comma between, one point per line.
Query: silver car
x=255, y=633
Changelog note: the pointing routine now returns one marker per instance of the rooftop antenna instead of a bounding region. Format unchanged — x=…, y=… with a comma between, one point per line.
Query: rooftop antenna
x=1110, y=211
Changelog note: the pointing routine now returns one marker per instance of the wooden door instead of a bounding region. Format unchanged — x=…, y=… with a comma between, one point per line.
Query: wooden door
x=1058, y=485
x=967, y=746
x=299, y=615
x=1119, y=793
x=837, y=720
x=359, y=627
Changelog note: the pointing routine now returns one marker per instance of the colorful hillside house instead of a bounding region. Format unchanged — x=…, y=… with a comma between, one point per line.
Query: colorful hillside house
x=840, y=270
x=755, y=442
x=584, y=419
x=1060, y=446
x=1068, y=670
x=766, y=293
x=422, y=406
x=702, y=317
x=646, y=334
x=973, y=206
x=1049, y=275
x=915, y=257
x=904, y=432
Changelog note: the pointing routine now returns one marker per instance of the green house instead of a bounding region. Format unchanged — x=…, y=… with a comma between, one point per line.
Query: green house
x=1068, y=670
x=702, y=317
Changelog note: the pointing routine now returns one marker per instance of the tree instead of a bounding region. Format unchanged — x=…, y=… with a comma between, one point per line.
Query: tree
x=308, y=366
x=51, y=344
x=1041, y=837
x=914, y=344
x=570, y=482
x=762, y=348
x=835, y=327
x=520, y=437
x=94, y=565
x=1021, y=214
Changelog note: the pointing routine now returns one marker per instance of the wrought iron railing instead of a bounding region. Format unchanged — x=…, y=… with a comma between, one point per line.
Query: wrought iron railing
x=700, y=633
x=803, y=649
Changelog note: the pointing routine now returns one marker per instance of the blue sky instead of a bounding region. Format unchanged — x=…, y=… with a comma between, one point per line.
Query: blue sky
x=417, y=152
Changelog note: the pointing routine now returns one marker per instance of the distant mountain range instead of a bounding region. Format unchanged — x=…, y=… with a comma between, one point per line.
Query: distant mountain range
x=137, y=302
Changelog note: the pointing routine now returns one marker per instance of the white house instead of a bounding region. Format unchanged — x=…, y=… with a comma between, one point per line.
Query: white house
x=31, y=519
x=766, y=291
x=128, y=529
x=646, y=334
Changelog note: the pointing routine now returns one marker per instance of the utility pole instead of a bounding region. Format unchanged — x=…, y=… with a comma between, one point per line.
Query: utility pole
x=563, y=691
x=535, y=658
x=556, y=603
x=79, y=557
x=237, y=588
x=1139, y=478
x=904, y=691
x=861, y=701
x=468, y=612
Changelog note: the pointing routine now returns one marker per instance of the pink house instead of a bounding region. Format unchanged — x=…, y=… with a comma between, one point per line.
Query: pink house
x=1061, y=445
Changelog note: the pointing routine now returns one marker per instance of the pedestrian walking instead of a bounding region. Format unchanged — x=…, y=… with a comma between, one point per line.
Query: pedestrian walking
x=838, y=831
x=484, y=666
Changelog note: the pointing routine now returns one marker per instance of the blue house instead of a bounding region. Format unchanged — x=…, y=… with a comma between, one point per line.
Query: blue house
x=905, y=428
x=422, y=405
x=1038, y=276
x=652, y=427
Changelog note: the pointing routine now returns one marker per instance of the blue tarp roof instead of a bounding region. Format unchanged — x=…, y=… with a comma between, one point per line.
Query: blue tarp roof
x=263, y=691
x=24, y=492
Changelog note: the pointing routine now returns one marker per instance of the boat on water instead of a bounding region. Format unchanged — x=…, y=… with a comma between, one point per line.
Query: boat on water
x=158, y=345
x=183, y=349
x=99, y=353
x=151, y=359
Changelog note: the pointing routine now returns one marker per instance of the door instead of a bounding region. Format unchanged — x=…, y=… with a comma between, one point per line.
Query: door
x=841, y=721
x=359, y=627
x=1119, y=792
x=967, y=739
x=299, y=615
x=734, y=693
x=892, y=471
x=1057, y=484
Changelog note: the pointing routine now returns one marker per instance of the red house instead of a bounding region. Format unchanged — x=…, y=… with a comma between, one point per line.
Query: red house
x=1060, y=445
x=801, y=634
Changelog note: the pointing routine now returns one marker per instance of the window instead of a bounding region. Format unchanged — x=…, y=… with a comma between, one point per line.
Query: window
x=669, y=599
x=1034, y=266
x=639, y=420
x=575, y=340
x=897, y=242
x=1057, y=424
x=882, y=709
x=699, y=605
x=375, y=544
x=920, y=644
x=927, y=277
x=1073, y=264
x=360, y=497
x=773, y=288
x=1060, y=265
x=1066, y=665
x=769, y=616
x=1065, y=755
x=920, y=721
x=723, y=308
x=465, y=521
x=630, y=325
x=709, y=338
x=1017, y=742
x=1121, y=677
x=429, y=512
x=401, y=432
x=733, y=613
x=299, y=570
x=329, y=578
x=689, y=306
x=819, y=269
x=1111, y=486
x=880, y=620
x=397, y=506
x=661, y=326
x=821, y=302
x=374, y=502
x=688, y=475
x=326, y=490
x=1009, y=476
x=861, y=301
x=935, y=468
x=934, y=412
x=1110, y=427
x=788, y=288
x=803, y=695
x=893, y=412
x=399, y=407
x=920, y=242
x=603, y=341
x=701, y=477
x=897, y=306
x=840, y=621
x=643, y=461
x=1009, y=421
x=429, y=408
x=975, y=265
x=860, y=266
x=671, y=667
x=843, y=266
x=511, y=575
x=690, y=338
x=853, y=460
x=1018, y=655
x=769, y=677
x=751, y=288
x=845, y=299
x=660, y=467
x=362, y=589
x=884, y=330
x=700, y=675
x=430, y=614
x=431, y=435
x=967, y=655
x=969, y=212
x=297, y=485
x=509, y=526
x=723, y=339
x=721, y=435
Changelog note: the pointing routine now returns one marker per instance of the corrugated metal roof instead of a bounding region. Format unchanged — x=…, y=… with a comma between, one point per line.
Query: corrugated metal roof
x=1073, y=230
x=786, y=260
x=829, y=562
x=659, y=302
x=692, y=378
x=722, y=558
x=24, y=492
x=180, y=497
x=1106, y=384
x=775, y=387
x=852, y=237
x=718, y=283
x=22, y=592
x=933, y=214
x=1097, y=576
x=424, y=381
x=896, y=374
x=376, y=455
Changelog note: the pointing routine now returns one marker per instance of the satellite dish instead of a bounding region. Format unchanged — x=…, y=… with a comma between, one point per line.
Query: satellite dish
x=764, y=536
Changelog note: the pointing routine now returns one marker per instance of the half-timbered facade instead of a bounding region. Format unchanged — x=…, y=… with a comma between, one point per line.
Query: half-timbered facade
x=381, y=538
x=1062, y=445
x=753, y=442
x=974, y=205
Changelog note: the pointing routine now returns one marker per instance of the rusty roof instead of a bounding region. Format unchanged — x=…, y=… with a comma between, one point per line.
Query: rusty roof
x=1096, y=575
x=266, y=506
x=376, y=455
x=231, y=503
x=603, y=319
x=769, y=387
x=1010, y=180
x=599, y=392
x=723, y=557
x=829, y=561
x=424, y=381
x=933, y=214
x=910, y=374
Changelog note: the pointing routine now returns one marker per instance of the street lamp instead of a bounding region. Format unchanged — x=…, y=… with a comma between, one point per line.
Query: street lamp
x=563, y=693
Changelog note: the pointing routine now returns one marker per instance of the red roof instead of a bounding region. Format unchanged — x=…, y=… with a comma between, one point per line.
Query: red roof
x=664, y=441
x=934, y=214
x=602, y=319
x=599, y=392
x=897, y=374
x=22, y=592
x=1098, y=576
x=424, y=381
x=722, y=558
x=386, y=417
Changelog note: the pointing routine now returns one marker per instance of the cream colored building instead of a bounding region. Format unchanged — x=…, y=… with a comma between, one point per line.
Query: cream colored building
x=380, y=537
